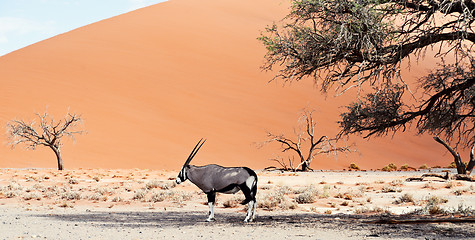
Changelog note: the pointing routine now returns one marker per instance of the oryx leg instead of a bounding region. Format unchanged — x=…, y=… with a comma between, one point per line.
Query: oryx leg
x=250, y=194
x=211, y=201
x=253, y=211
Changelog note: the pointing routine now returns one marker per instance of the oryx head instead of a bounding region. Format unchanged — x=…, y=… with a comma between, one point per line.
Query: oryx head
x=182, y=176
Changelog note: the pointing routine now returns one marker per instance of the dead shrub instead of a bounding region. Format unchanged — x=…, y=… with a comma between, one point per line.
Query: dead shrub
x=347, y=195
x=366, y=210
x=180, y=196
x=233, y=202
x=98, y=197
x=449, y=184
x=153, y=184
x=396, y=183
x=459, y=192
x=390, y=189
x=104, y=191
x=272, y=200
x=117, y=199
x=71, y=195
x=160, y=196
x=139, y=194
x=306, y=197
x=287, y=204
x=73, y=181
x=13, y=186
x=11, y=194
x=405, y=198
x=32, y=195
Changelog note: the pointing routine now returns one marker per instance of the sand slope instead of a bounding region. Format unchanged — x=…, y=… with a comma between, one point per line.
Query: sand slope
x=152, y=82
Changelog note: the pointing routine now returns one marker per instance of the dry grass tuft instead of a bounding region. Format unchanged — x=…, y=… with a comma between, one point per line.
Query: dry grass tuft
x=165, y=185
x=390, y=189
x=181, y=196
x=71, y=195
x=367, y=210
x=306, y=195
x=32, y=195
x=405, y=198
x=233, y=202
x=160, y=196
x=140, y=194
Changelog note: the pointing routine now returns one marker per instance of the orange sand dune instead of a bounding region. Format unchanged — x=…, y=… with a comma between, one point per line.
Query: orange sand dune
x=152, y=82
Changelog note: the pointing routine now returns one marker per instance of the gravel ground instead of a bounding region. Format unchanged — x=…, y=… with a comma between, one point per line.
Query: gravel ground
x=69, y=223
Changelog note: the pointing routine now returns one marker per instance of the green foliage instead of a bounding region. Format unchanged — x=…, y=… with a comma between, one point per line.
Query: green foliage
x=390, y=167
x=354, y=166
x=344, y=44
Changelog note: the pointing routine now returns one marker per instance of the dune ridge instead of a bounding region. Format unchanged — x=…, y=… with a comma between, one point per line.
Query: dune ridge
x=150, y=83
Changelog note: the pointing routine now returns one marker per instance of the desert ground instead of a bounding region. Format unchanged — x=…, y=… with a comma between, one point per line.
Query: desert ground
x=147, y=204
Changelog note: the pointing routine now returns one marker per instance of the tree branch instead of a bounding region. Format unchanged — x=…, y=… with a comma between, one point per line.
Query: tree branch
x=456, y=155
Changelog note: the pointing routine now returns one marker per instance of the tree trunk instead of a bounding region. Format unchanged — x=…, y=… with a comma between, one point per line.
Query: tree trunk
x=305, y=166
x=57, y=151
x=458, y=161
x=471, y=163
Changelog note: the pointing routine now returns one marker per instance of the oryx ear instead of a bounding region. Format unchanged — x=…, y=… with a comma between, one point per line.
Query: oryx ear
x=193, y=153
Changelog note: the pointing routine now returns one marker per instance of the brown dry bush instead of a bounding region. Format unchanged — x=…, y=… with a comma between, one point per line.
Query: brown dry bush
x=306, y=195
x=160, y=196
x=71, y=195
x=390, y=189
x=276, y=199
x=233, y=202
x=139, y=194
x=366, y=210
x=97, y=197
x=32, y=195
x=405, y=198
x=117, y=199
x=165, y=185
x=180, y=196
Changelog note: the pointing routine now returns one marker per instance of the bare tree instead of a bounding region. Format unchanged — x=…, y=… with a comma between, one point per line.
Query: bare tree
x=47, y=132
x=306, y=145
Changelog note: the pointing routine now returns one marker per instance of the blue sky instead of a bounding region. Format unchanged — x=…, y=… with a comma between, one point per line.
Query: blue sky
x=24, y=22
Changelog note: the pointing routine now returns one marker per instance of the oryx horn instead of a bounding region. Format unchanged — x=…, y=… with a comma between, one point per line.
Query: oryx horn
x=195, y=150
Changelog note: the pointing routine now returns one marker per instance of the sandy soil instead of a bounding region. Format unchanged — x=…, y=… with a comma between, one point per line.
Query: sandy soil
x=146, y=204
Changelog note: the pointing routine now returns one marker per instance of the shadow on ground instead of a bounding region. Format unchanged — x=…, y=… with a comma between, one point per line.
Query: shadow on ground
x=172, y=219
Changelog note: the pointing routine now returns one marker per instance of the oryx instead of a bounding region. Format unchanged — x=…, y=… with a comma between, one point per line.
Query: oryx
x=214, y=178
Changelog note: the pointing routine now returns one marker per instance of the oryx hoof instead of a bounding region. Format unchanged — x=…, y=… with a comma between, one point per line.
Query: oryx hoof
x=210, y=219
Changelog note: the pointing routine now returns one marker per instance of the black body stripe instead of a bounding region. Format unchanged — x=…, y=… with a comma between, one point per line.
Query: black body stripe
x=228, y=188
